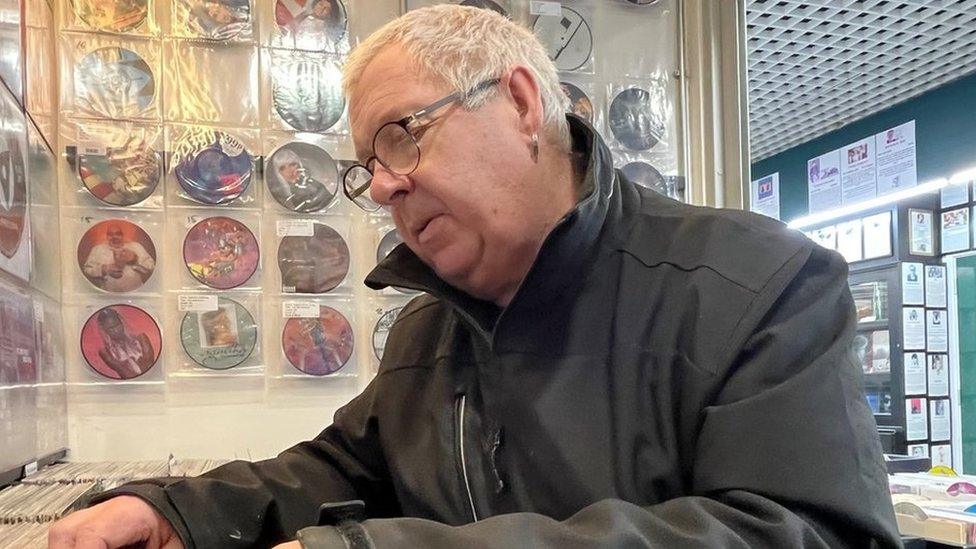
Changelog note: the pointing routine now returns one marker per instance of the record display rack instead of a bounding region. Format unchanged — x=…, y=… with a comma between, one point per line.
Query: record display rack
x=19, y=473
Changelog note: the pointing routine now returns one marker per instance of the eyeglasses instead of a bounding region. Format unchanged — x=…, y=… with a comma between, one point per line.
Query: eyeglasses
x=396, y=148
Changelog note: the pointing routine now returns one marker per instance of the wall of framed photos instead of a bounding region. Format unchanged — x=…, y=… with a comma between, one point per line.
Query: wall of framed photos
x=210, y=272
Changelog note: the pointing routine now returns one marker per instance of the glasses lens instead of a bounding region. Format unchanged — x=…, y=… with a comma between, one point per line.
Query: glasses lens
x=356, y=184
x=396, y=149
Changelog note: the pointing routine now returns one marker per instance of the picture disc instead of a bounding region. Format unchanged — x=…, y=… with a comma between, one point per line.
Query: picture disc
x=382, y=330
x=318, y=346
x=632, y=120
x=221, y=252
x=13, y=180
x=646, y=175
x=114, y=82
x=120, y=176
x=579, y=103
x=313, y=264
x=643, y=2
x=302, y=177
x=121, y=342
x=219, y=339
x=389, y=241
x=111, y=15
x=307, y=91
x=485, y=4
x=311, y=24
x=216, y=171
x=567, y=38
x=218, y=19
x=117, y=256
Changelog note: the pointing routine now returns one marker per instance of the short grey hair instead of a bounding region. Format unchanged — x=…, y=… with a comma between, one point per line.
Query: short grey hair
x=463, y=46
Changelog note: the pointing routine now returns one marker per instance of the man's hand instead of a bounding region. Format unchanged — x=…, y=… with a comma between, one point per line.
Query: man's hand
x=289, y=545
x=118, y=522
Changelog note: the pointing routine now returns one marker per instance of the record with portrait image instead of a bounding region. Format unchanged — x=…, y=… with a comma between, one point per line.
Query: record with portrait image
x=318, y=346
x=114, y=82
x=13, y=178
x=214, y=168
x=311, y=24
x=302, y=177
x=121, y=342
x=567, y=38
x=307, y=90
x=117, y=256
x=217, y=19
x=633, y=120
x=221, y=252
x=579, y=103
x=111, y=15
x=382, y=330
x=485, y=4
x=220, y=339
x=119, y=176
x=313, y=264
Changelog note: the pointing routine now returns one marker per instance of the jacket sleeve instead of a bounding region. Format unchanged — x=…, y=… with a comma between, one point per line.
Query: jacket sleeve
x=245, y=504
x=787, y=454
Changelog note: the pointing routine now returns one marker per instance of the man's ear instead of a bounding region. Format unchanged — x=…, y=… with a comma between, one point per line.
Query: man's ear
x=523, y=88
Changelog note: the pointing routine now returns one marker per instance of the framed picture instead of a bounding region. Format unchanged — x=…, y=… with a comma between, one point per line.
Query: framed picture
x=921, y=237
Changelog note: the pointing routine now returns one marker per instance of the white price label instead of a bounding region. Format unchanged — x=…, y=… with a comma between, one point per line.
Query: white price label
x=38, y=311
x=295, y=227
x=299, y=309
x=197, y=303
x=30, y=469
x=545, y=8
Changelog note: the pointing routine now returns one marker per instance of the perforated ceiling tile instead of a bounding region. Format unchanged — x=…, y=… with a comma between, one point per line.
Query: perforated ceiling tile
x=815, y=66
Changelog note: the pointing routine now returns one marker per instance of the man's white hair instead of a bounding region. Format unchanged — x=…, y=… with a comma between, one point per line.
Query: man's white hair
x=463, y=46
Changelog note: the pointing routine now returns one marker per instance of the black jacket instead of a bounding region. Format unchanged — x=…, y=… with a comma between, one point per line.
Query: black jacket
x=666, y=376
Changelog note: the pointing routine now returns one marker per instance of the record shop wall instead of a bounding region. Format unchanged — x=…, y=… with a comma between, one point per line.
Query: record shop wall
x=945, y=135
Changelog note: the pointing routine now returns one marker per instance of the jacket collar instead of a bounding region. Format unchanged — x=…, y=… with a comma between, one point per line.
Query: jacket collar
x=564, y=255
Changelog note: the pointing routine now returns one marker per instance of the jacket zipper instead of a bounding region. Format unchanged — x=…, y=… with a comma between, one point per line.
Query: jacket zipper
x=459, y=414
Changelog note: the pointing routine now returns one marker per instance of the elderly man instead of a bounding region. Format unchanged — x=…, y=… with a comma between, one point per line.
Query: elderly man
x=595, y=365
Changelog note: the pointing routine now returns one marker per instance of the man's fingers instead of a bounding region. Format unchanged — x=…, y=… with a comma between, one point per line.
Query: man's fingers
x=118, y=522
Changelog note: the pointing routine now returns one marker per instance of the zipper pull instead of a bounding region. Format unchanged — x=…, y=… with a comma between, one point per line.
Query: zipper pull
x=496, y=443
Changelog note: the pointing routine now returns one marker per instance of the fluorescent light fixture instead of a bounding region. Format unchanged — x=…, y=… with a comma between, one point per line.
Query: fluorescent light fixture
x=850, y=209
x=964, y=176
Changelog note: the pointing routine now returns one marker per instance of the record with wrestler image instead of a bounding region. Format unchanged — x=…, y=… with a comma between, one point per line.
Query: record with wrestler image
x=116, y=255
x=318, y=346
x=121, y=342
x=221, y=252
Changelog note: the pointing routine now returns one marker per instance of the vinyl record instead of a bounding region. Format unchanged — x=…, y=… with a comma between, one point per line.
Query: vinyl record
x=218, y=19
x=567, y=38
x=120, y=176
x=318, y=346
x=215, y=170
x=633, y=120
x=111, y=15
x=221, y=252
x=307, y=90
x=579, y=103
x=121, y=342
x=382, y=330
x=114, y=82
x=13, y=180
x=643, y=2
x=646, y=175
x=302, y=177
x=313, y=264
x=117, y=256
x=485, y=4
x=311, y=24
x=220, y=339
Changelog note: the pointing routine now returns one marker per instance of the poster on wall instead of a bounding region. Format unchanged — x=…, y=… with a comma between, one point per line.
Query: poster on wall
x=939, y=412
x=877, y=235
x=955, y=230
x=937, y=331
x=857, y=172
x=918, y=450
x=912, y=285
x=913, y=323
x=765, y=196
x=916, y=419
x=954, y=195
x=849, y=240
x=941, y=454
x=896, y=158
x=938, y=375
x=823, y=182
x=920, y=235
x=915, y=373
x=935, y=286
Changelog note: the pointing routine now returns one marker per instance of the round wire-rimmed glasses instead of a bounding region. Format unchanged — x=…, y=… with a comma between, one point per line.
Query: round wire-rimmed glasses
x=396, y=148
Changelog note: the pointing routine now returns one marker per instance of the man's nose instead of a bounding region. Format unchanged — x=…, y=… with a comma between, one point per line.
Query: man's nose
x=387, y=187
